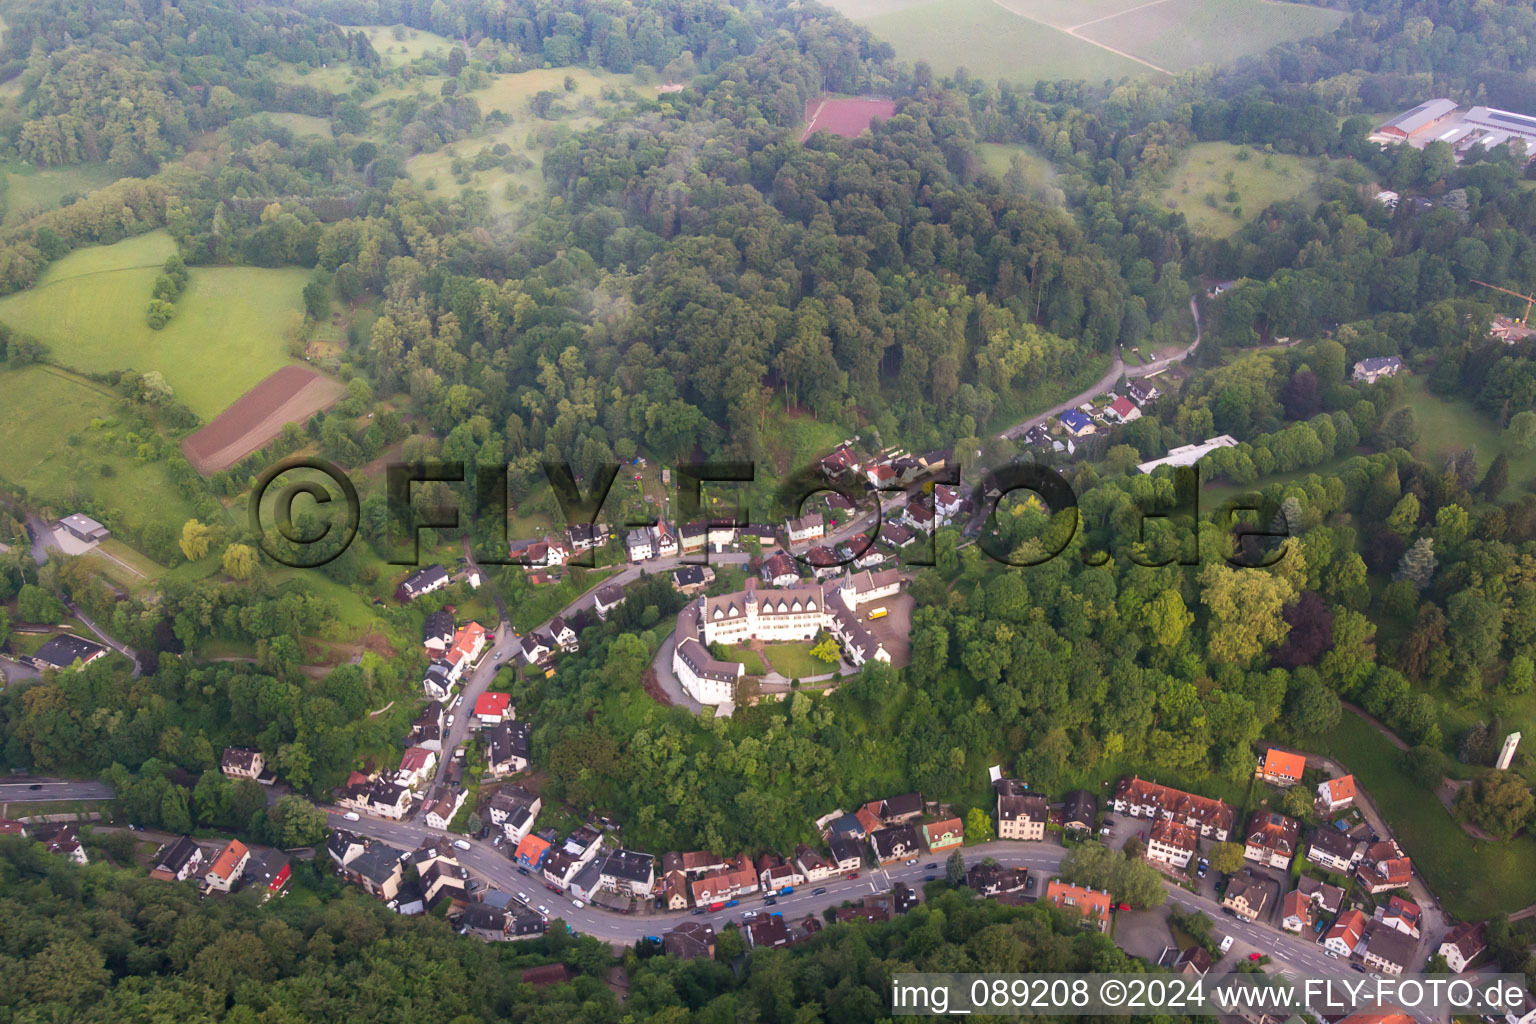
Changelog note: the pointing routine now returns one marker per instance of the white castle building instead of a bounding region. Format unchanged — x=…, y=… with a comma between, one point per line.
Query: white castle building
x=775, y=615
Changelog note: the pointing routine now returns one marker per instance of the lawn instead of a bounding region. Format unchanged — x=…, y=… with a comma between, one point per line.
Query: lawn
x=1182, y=34
x=30, y=191
x=226, y=336
x=748, y=657
x=794, y=661
x=1472, y=879
x=991, y=43
x=54, y=452
x=1447, y=425
x=398, y=44
x=1259, y=180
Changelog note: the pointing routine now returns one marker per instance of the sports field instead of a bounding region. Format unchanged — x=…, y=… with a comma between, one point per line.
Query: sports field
x=226, y=336
x=1216, y=204
x=61, y=432
x=1028, y=40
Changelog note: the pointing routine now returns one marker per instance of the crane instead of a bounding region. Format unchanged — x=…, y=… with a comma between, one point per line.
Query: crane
x=1529, y=300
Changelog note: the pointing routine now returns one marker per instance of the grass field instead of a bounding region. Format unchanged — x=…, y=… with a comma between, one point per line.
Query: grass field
x=227, y=333
x=748, y=657
x=1447, y=425
x=794, y=661
x=1472, y=879
x=302, y=124
x=414, y=42
x=528, y=137
x=991, y=43
x=52, y=450
x=1258, y=181
x=1027, y=40
x=1182, y=34
x=30, y=191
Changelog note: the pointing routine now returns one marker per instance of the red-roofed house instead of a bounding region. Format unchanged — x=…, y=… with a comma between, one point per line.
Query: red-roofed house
x=1123, y=409
x=1281, y=767
x=1297, y=911
x=531, y=852
x=225, y=870
x=1384, y=868
x=1093, y=904
x=1345, y=935
x=948, y=834
x=416, y=766
x=468, y=642
x=1402, y=915
x=494, y=708
x=1335, y=794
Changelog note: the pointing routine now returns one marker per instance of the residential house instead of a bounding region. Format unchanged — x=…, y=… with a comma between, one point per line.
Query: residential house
x=507, y=801
x=468, y=643
x=562, y=633
x=1077, y=424
x=1389, y=951
x=1093, y=904
x=494, y=708
x=1194, y=961
x=1272, y=839
x=947, y=502
x=691, y=940
x=178, y=861
x=775, y=873
x=1464, y=944
x=1247, y=895
x=690, y=579
x=692, y=538
x=1141, y=393
x=1334, y=850
x=1079, y=811
x=1329, y=898
x=378, y=869
x=666, y=540
x=1213, y=818
x=416, y=766
x=12, y=827
x=61, y=839
x=995, y=880
x=423, y=581
x=1171, y=845
x=722, y=534
x=725, y=882
x=438, y=680
x=1020, y=813
x=427, y=731
x=607, y=599
x=437, y=633
x=767, y=931
x=1335, y=794
x=1401, y=915
x=226, y=868
x=1384, y=867
x=562, y=867
x=1122, y=410
x=901, y=810
x=1371, y=370
x=894, y=844
x=83, y=528
x=780, y=570
x=919, y=516
x=842, y=460
x=897, y=535
x=1346, y=934
x=485, y=922
x=507, y=748
x=531, y=852
x=266, y=872
x=344, y=847
x=674, y=890
x=535, y=648
x=242, y=763
x=585, y=537
x=1281, y=767
x=812, y=865
x=1297, y=912
x=389, y=800
x=880, y=476
x=442, y=811
x=640, y=544
x=943, y=836
x=847, y=852
x=630, y=873
x=807, y=529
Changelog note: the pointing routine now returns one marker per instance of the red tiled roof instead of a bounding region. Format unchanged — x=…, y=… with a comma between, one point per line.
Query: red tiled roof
x=1284, y=764
x=492, y=704
x=224, y=863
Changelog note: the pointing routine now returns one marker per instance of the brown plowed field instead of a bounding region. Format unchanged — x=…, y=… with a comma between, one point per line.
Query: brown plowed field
x=291, y=395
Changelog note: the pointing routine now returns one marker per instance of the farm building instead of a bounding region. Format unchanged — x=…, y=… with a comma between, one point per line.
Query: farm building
x=1424, y=116
x=84, y=528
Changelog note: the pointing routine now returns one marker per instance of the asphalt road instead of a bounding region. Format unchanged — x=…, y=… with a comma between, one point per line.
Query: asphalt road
x=1301, y=956
x=18, y=790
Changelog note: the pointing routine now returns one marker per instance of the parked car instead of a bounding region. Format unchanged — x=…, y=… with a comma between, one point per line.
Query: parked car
x=543, y=910
x=1226, y=944
x=523, y=896
x=462, y=844
x=930, y=867
x=930, y=878
x=578, y=904
x=1124, y=906
x=732, y=903
x=697, y=911
x=1357, y=967
x=749, y=915
x=853, y=875
x=352, y=816
x=1029, y=882
x=911, y=862
x=1255, y=956
x=770, y=901
x=1202, y=867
